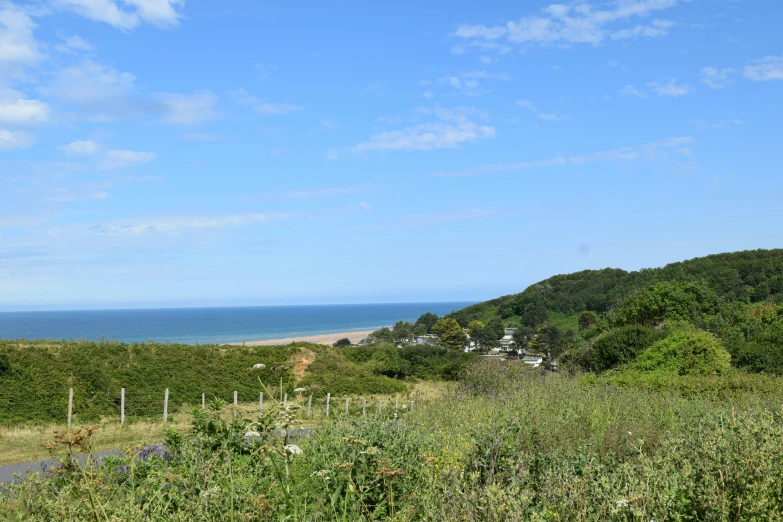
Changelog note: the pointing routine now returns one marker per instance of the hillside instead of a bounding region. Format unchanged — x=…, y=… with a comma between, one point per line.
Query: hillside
x=748, y=276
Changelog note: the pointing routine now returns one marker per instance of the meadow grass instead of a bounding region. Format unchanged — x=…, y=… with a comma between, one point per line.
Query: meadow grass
x=506, y=443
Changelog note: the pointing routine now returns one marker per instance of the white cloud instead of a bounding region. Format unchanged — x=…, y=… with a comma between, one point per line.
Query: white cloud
x=329, y=124
x=487, y=60
x=118, y=159
x=18, y=46
x=24, y=112
x=527, y=104
x=625, y=154
x=767, y=68
x=433, y=219
x=631, y=90
x=451, y=129
x=718, y=124
x=716, y=78
x=15, y=140
x=180, y=224
x=242, y=97
x=91, y=83
x=671, y=88
x=201, y=136
x=161, y=13
x=427, y=94
x=81, y=148
x=575, y=23
x=74, y=43
x=184, y=108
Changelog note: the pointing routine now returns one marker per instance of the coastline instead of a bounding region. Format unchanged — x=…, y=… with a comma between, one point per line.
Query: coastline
x=327, y=339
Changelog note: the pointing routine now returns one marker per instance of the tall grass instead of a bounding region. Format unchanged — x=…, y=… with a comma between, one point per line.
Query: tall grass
x=506, y=444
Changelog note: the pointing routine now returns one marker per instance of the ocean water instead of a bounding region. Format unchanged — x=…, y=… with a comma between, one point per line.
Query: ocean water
x=212, y=325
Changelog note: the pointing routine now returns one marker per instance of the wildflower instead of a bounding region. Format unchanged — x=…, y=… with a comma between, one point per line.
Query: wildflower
x=259, y=366
x=404, y=406
x=621, y=503
x=629, y=433
x=293, y=449
x=251, y=434
x=300, y=390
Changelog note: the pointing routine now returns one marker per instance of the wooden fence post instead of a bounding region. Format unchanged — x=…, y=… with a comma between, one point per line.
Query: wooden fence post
x=122, y=407
x=166, y=407
x=346, y=406
x=285, y=401
x=235, y=399
x=364, y=407
x=309, y=406
x=203, y=401
x=70, y=406
x=328, y=398
x=261, y=401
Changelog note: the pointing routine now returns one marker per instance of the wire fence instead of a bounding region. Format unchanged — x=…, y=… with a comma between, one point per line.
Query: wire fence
x=72, y=406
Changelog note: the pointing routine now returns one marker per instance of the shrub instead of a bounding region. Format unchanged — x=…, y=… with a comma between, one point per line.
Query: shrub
x=620, y=346
x=341, y=343
x=688, y=351
x=681, y=301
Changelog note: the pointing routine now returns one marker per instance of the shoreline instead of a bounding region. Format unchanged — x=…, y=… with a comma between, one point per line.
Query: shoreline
x=328, y=339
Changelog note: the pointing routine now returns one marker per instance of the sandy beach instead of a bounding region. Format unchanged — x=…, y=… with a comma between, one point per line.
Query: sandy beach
x=320, y=339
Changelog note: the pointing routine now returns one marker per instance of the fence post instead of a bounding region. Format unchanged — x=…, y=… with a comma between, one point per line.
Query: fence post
x=166, y=407
x=328, y=398
x=261, y=401
x=309, y=406
x=285, y=401
x=235, y=398
x=346, y=406
x=203, y=401
x=122, y=407
x=411, y=404
x=396, y=404
x=364, y=407
x=70, y=406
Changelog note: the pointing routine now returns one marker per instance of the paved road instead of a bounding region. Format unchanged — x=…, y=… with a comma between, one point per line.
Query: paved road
x=7, y=472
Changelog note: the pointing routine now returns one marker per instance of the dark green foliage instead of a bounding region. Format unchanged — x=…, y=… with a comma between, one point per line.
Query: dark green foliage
x=384, y=335
x=522, y=336
x=423, y=362
x=424, y=324
x=754, y=275
x=620, y=346
x=587, y=320
x=5, y=363
x=678, y=301
x=402, y=332
x=342, y=343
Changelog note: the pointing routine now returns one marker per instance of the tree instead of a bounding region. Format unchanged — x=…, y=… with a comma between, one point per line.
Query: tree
x=522, y=337
x=586, y=320
x=621, y=345
x=485, y=338
x=548, y=339
x=495, y=326
x=342, y=343
x=384, y=335
x=450, y=333
x=688, y=351
x=402, y=331
x=424, y=324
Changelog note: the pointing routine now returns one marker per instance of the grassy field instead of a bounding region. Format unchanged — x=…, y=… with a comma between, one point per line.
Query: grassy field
x=506, y=443
x=28, y=443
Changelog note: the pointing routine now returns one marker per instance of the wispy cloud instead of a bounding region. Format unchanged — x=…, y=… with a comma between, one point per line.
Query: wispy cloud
x=81, y=148
x=160, y=13
x=527, y=104
x=670, y=88
x=242, y=97
x=74, y=43
x=575, y=23
x=119, y=159
x=18, y=47
x=718, y=124
x=10, y=140
x=144, y=226
x=617, y=154
x=24, y=112
x=434, y=219
x=468, y=84
x=764, y=69
x=631, y=90
x=452, y=128
x=716, y=78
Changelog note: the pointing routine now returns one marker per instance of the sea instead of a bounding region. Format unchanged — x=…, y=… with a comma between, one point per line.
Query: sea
x=212, y=325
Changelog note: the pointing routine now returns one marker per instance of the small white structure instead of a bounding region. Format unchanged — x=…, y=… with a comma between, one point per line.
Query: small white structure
x=427, y=340
x=259, y=366
x=507, y=343
x=533, y=360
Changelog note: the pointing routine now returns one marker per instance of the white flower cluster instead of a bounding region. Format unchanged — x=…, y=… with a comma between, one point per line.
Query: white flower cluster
x=293, y=449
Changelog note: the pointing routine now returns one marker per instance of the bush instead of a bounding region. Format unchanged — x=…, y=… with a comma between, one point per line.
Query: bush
x=620, y=346
x=680, y=301
x=688, y=351
x=342, y=343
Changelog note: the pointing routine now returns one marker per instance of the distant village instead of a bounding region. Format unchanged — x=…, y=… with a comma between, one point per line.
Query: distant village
x=504, y=348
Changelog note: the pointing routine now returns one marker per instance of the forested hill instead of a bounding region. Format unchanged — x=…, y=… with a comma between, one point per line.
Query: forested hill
x=748, y=276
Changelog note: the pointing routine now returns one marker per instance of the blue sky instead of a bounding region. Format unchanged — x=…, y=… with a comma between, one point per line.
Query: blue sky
x=170, y=153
